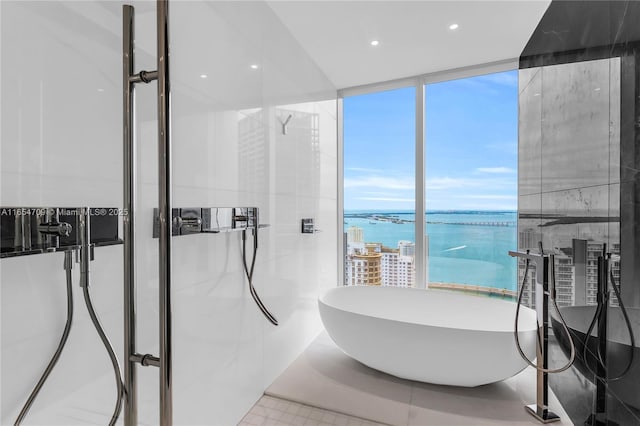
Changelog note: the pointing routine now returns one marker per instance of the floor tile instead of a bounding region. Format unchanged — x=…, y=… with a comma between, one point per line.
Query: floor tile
x=270, y=411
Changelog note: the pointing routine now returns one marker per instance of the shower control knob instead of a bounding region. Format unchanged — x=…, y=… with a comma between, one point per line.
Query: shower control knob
x=62, y=229
x=188, y=222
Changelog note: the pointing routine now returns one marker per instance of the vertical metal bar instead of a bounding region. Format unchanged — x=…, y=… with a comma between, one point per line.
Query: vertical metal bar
x=540, y=314
x=421, y=249
x=129, y=182
x=601, y=371
x=84, y=221
x=164, y=177
x=548, y=267
x=341, y=240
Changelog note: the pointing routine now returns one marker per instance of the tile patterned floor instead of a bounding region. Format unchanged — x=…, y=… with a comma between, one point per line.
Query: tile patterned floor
x=271, y=411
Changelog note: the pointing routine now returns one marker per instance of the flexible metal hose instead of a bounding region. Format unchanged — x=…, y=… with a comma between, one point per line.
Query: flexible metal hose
x=562, y=321
x=592, y=325
x=68, y=264
x=112, y=355
x=249, y=273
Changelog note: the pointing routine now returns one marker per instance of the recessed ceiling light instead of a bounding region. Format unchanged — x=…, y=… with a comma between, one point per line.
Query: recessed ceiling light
x=100, y=90
x=254, y=66
x=203, y=76
x=453, y=26
x=375, y=42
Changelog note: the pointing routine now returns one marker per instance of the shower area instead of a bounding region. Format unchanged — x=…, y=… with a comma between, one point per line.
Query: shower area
x=578, y=189
x=177, y=210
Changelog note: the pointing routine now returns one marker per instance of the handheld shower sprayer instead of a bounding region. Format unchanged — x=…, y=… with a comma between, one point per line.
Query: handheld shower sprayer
x=249, y=273
x=605, y=275
x=545, y=289
x=549, y=292
x=68, y=265
x=214, y=220
x=46, y=221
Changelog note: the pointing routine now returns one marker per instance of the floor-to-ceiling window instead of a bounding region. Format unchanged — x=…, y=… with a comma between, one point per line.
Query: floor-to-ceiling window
x=379, y=182
x=470, y=144
x=471, y=160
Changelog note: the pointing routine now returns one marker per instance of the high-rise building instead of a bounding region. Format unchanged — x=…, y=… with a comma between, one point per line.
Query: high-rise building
x=375, y=264
x=407, y=248
x=364, y=268
x=529, y=239
x=565, y=280
x=355, y=234
x=528, y=298
x=398, y=270
x=594, y=250
x=576, y=273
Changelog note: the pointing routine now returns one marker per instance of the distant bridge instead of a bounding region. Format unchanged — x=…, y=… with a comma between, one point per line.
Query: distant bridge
x=497, y=223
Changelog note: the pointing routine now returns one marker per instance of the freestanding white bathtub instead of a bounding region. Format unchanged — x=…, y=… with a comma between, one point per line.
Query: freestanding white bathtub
x=429, y=335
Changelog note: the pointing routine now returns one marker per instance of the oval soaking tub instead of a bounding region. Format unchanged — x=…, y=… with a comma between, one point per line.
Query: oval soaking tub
x=429, y=335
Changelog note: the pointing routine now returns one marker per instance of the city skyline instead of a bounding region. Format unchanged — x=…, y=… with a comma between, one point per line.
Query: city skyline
x=373, y=263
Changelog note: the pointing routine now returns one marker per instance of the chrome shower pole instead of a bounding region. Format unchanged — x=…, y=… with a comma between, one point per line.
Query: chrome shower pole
x=164, y=176
x=129, y=192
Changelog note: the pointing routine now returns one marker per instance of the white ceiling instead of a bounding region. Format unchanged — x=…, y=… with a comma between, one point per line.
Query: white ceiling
x=414, y=35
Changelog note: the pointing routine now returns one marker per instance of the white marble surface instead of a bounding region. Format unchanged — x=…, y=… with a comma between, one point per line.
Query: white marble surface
x=576, y=123
x=529, y=131
x=569, y=126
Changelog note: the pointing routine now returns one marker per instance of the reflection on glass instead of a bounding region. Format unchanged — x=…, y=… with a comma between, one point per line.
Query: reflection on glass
x=569, y=156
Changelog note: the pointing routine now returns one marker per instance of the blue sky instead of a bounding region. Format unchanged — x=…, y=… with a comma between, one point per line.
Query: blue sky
x=471, y=146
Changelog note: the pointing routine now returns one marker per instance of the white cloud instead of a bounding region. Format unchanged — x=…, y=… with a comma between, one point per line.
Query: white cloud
x=504, y=147
x=364, y=170
x=382, y=182
x=490, y=197
x=378, y=194
x=486, y=184
x=503, y=78
x=495, y=170
x=388, y=199
x=451, y=183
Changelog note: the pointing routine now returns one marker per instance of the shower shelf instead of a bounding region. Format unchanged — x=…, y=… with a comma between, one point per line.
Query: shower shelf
x=210, y=220
x=36, y=230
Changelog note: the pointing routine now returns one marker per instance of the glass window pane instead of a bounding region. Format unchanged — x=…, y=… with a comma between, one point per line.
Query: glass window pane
x=471, y=182
x=379, y=188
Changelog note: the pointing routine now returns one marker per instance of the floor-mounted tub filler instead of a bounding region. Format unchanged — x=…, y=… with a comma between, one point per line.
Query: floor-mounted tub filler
x=430, y=336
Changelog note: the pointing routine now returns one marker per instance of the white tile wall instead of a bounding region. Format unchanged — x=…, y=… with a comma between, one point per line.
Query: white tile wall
x=61, y=145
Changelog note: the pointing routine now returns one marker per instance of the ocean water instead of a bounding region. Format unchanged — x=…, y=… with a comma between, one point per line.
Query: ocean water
x=463, y=247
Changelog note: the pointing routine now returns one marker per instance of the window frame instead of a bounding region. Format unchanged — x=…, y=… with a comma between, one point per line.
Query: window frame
x=419, y=82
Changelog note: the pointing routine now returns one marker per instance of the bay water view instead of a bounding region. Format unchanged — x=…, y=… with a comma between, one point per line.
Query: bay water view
x=465, y=247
